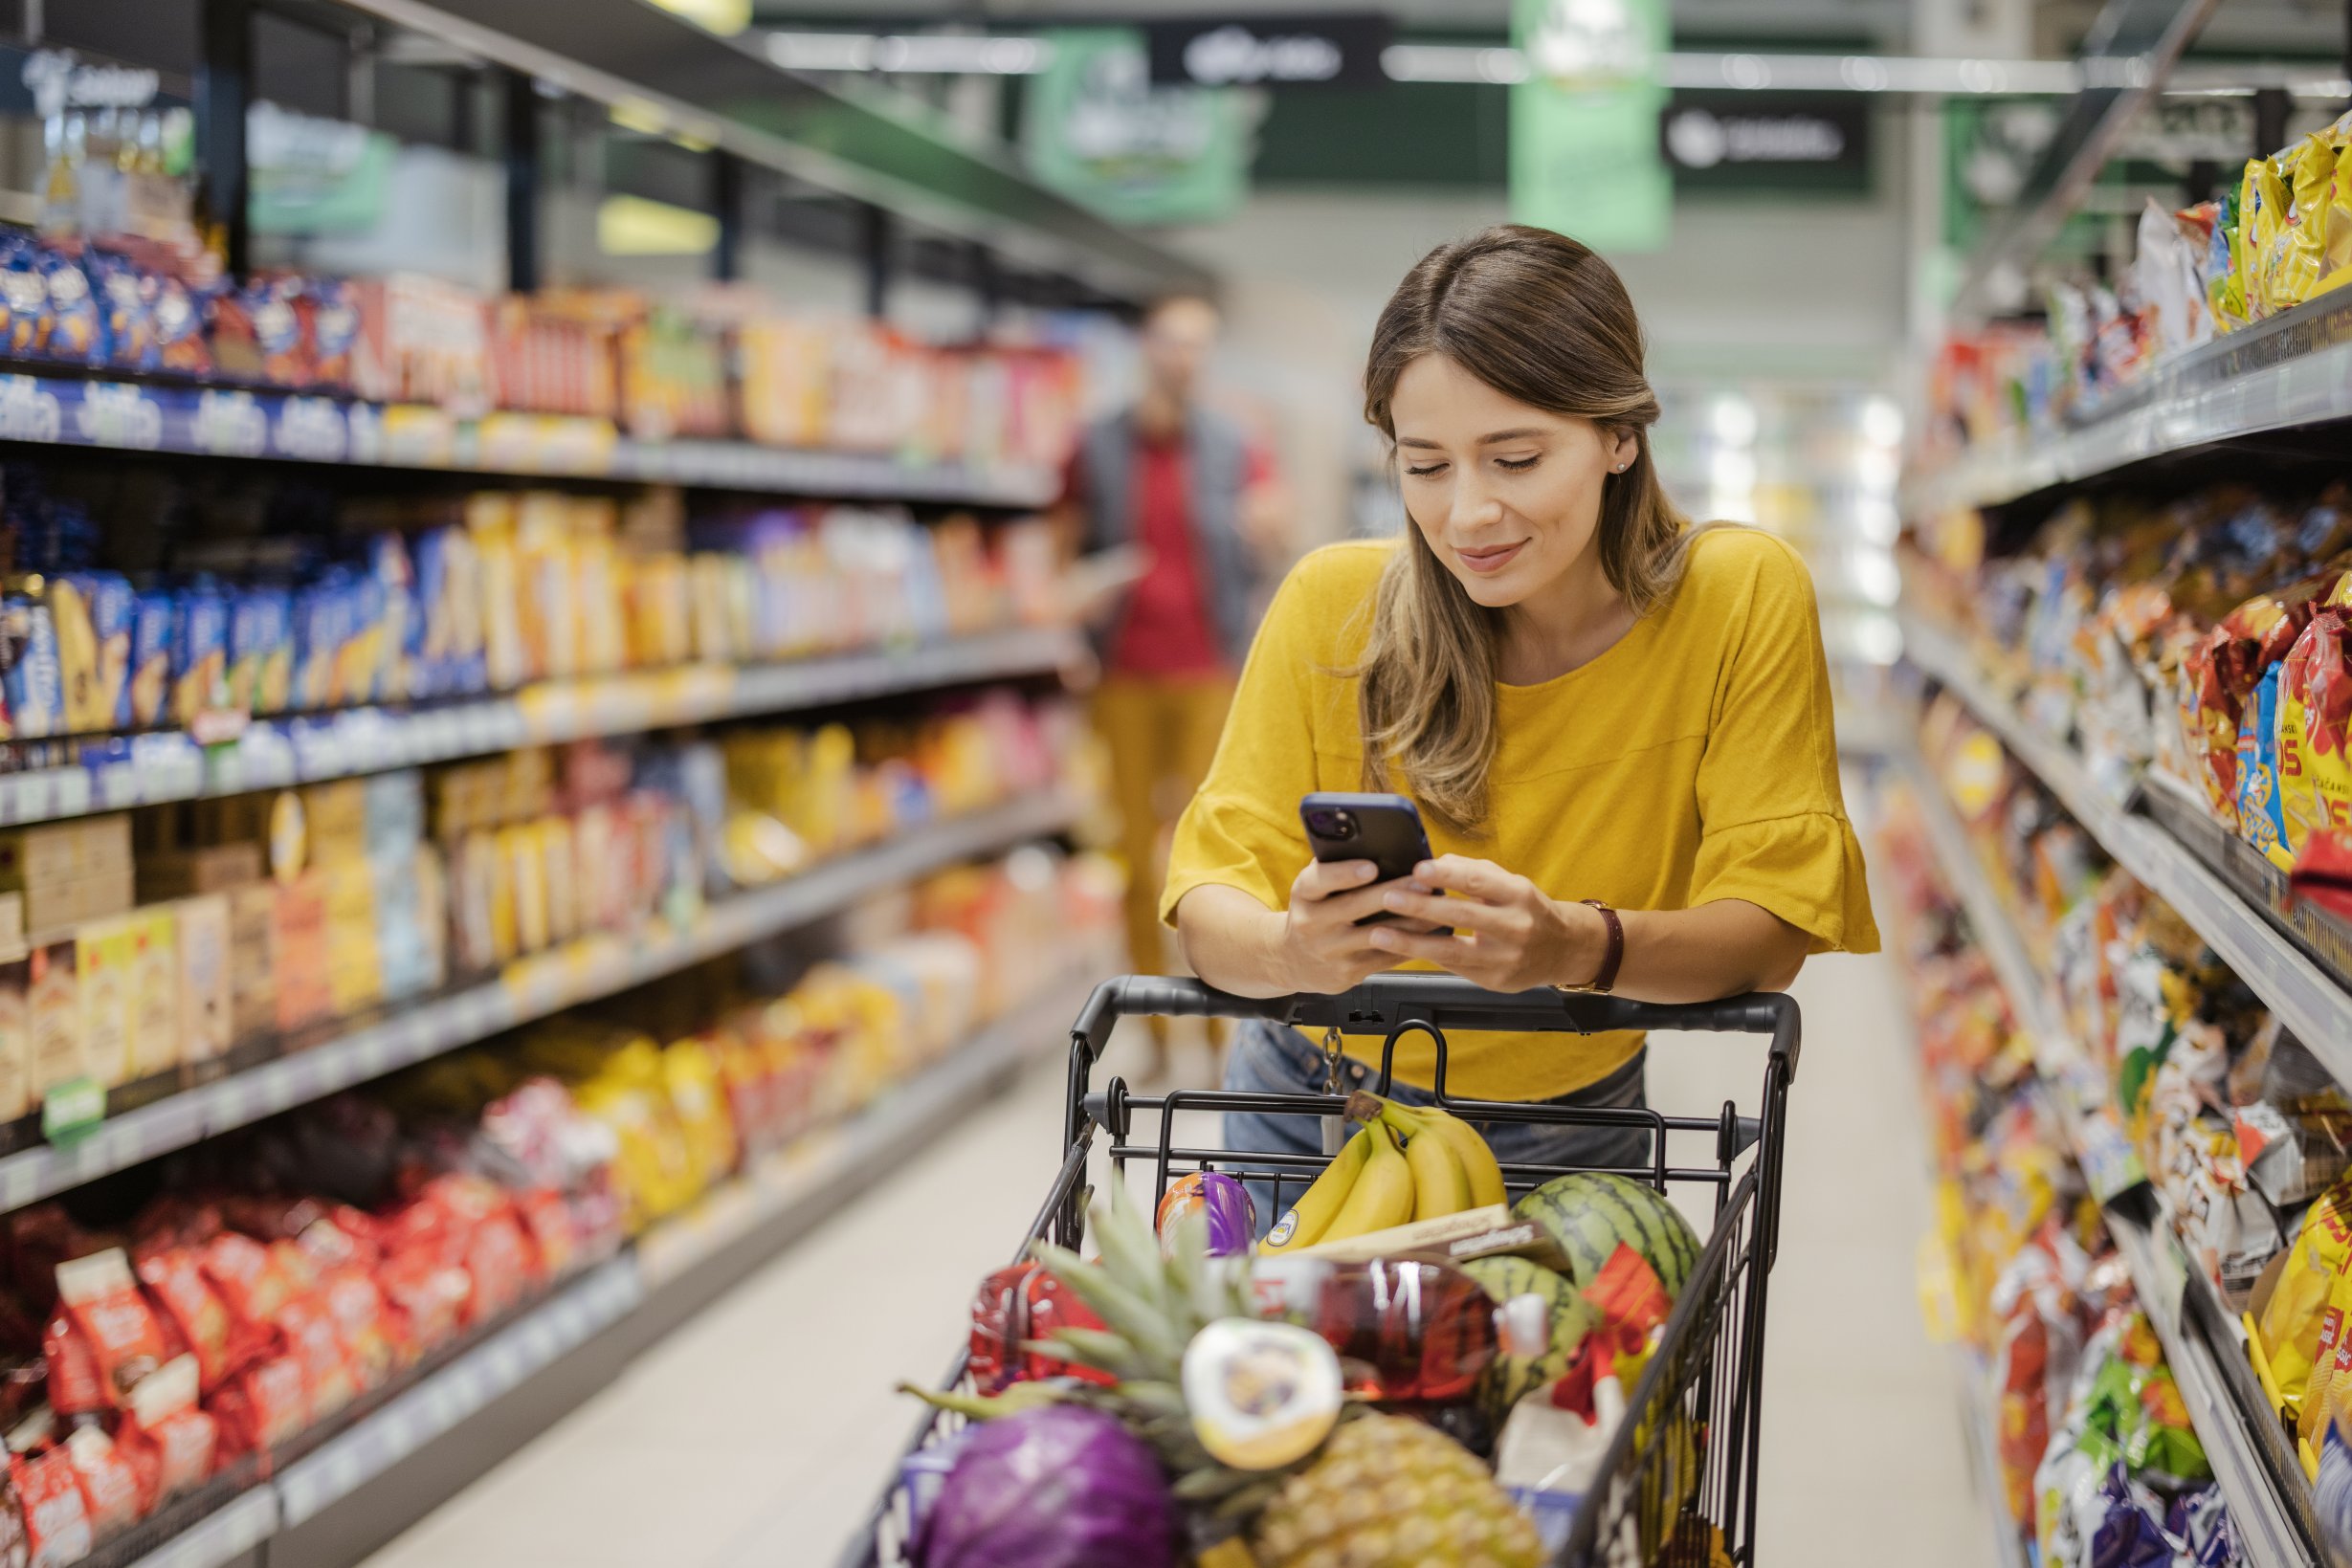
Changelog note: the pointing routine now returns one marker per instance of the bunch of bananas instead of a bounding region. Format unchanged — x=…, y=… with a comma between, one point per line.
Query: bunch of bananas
x=1408, y=1162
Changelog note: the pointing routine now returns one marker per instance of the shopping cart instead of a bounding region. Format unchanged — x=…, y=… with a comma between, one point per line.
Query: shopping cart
x=1677, y=1486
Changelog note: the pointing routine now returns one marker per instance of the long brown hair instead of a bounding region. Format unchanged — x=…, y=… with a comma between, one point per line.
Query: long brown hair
x=1542, y=320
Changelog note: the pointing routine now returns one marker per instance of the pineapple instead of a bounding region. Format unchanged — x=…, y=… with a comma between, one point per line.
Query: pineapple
x=1388, y=1492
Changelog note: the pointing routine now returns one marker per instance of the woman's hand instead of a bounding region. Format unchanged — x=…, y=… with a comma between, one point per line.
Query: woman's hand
x=1508, y=935
x=1322, y=949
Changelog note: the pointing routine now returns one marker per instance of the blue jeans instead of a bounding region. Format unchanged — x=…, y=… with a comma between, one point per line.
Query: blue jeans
x=1272, y=1059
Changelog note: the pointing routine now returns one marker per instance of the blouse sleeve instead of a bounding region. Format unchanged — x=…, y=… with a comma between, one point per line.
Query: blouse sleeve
x=1242, y=830
x=1772, y=819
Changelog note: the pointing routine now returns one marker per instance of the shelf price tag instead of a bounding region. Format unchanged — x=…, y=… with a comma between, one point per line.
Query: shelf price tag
x=70, y=1110
x=230, y=423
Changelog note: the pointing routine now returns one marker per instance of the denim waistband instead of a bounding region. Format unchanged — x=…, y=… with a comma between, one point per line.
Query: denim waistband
x=1304, y=1059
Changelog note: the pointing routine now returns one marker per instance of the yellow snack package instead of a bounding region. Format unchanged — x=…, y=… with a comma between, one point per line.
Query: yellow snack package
x=2292, y=1319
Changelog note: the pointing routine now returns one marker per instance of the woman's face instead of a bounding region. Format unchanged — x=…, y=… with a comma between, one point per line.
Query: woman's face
x=1507, y=494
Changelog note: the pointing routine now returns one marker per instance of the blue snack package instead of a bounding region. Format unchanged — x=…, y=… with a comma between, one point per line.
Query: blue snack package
x=261, y=648
x=199, y=651
x=126, y=295
x=36, y=701
x=72, y=314
x=321, y=613
x=92, y=612
x=2199, y=1525
x=180, y=343
x=2261, y=816
x=332, y=320
x=148, y=690
x=24, y=300
x=2331, y=1498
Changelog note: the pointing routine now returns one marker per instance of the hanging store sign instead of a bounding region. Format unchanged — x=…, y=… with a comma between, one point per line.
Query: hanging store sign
x=314, y=176
x=1098, y=131
x=1766, y=141
x=1315, y=50
x=1584, y=157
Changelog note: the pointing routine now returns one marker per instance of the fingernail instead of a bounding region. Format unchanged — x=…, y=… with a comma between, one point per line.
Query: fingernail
x=1394, y=900
x=1365, y=870
x=1427, y=868
x=1420, y=887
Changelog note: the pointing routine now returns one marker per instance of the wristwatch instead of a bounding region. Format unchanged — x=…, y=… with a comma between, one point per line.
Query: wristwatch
x=1601, y=982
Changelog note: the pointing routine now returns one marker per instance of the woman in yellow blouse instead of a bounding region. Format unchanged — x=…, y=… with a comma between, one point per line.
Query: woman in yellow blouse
x=1616, y=727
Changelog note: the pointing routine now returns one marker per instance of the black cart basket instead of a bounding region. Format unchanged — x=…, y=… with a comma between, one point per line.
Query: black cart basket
x=1677, y=1485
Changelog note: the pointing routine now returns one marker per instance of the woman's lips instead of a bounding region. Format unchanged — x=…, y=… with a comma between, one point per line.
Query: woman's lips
x=1492, y=559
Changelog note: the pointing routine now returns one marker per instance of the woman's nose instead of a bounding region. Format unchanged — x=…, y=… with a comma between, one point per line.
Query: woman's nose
x=1473, y=503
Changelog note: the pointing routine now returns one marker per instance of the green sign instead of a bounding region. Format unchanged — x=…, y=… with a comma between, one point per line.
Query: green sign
x=1098, y=131
x=314, y=176
x=1585, y=123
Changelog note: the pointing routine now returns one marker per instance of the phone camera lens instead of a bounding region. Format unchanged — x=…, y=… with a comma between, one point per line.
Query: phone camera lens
x=1342, y=825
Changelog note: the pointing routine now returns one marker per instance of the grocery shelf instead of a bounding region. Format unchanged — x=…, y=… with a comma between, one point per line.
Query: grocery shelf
x=2265, y=1517
x=2295, y=368
x=1977, y=1418
x=583, y=970
x=271, y=754
x=2270, y=1533
x=54, y=409
x=2306, y=998
x=634, y=1298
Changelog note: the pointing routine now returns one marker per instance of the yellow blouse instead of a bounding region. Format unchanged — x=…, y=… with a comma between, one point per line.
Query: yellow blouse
x=1695, y=760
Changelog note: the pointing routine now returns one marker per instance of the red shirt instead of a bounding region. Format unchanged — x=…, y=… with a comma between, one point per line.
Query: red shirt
x=1165, y=629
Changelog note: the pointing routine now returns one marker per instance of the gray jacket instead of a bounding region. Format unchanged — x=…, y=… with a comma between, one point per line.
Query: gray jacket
x=1217, y=471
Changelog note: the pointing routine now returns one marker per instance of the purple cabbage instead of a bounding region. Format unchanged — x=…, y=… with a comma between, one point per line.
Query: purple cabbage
x=1060, y=1486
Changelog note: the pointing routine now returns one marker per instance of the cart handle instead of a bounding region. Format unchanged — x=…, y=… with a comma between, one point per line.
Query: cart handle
x=1391, y=1003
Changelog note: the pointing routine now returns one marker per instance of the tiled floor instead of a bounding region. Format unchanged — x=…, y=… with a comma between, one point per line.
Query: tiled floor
x=758, y=1436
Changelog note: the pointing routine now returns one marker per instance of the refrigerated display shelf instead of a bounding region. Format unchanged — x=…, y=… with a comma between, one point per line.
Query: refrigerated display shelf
x=801, y=1182
x=2295, y=368
x=2313, y=1002
x=45, y=409
x=2271, y=1506
x=271, y=754
x=583, y=970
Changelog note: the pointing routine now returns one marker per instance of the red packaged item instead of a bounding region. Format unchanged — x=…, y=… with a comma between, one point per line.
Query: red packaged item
x=2324, y=873
x=104, y=1302
x=248, y=1276
x=429, y=1295
x=274, y=1396
x=547, y=1219
x=109, y=1487
x=1018, y=1304
x=75, y=1385
x=57, y=1520
x=363, y=1319
x=1404, y=1330
x=15, y=1548
x=501, y=1265
x=328, y=1382
x=191, y=1307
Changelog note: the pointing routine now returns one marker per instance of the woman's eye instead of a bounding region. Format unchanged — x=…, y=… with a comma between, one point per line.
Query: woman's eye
x=1516, y=465
x=1424, y=473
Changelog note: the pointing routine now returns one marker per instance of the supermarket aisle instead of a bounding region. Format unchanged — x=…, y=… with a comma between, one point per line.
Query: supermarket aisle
x=757, y=1436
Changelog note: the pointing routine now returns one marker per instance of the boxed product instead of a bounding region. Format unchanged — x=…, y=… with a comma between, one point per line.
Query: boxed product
x=53, y=1017
x=69, y=871
x=17, y=1094
x=300, y=955
x=155, y=1044
x=104, y=956
x=205, y=966
x=253, y=960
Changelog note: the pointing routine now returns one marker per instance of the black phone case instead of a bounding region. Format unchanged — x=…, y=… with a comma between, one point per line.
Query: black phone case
x=1388, y=833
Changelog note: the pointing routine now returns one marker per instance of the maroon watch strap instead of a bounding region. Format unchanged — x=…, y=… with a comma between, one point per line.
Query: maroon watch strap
x=1615, y=956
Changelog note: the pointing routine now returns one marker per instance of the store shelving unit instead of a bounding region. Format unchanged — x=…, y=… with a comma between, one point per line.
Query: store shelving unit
x=2293, y=369
x=1977, y=1422
x=2310, y=1001
x=210, y=422
x=2267, y=1502
x=273, y=754
x=583, y=970
x=635, y=1295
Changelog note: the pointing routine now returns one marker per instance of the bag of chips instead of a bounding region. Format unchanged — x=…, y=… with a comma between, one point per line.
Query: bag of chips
x=57, y=1519
x=2291, y=1319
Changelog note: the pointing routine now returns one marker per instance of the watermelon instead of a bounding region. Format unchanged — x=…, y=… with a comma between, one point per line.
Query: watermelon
x=1590, y=1213
x=1507, y=1377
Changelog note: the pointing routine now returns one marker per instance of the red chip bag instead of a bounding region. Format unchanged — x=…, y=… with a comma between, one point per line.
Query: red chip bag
x=547, y=1218
x=75, y=1385
x=501, y=1265
x=179, y=1451
x=188, y=1301
x=248, y=1276
x=328, y=1382
x=16, y=1549
x=429, y=1295
x=104, y=1302
x=274, y=1393
x=109, y=1487
x=363, y=1319
x=57, y=1519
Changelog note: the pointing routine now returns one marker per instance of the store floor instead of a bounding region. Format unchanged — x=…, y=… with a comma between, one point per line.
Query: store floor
x=758, y=1435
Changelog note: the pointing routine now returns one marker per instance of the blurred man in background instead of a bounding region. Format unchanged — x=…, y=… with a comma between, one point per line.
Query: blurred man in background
x=1189, y=503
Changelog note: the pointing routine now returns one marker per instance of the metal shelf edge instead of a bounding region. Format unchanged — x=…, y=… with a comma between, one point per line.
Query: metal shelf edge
x=570, y=712
x=1975, y=1417
x=221, y=1536
x=467, y=1016
x=2310, y=1002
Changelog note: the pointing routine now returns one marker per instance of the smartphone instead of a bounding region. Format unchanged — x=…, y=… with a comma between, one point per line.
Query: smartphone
x=1385, y=829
